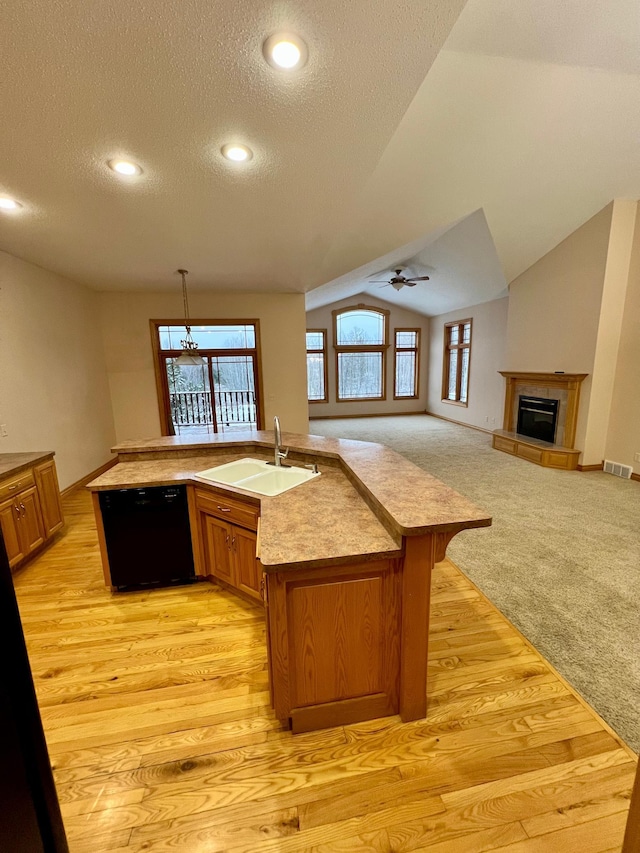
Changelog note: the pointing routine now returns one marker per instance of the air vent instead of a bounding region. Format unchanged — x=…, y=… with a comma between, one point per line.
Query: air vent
x=619, y=470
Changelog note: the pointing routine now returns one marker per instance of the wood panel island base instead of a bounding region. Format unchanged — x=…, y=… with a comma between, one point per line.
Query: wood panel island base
x=342, y=563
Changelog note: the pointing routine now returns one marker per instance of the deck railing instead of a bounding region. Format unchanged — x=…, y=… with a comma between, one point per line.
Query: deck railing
x=193, y=408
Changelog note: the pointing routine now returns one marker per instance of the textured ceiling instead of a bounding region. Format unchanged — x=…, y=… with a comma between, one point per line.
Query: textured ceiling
x=380, y=151
x=166, y=83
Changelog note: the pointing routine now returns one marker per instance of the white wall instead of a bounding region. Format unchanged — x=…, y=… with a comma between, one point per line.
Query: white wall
x=605, y=364
x=54, y=393
x=127, y=344
x=486, y=386
x=554, y=310
x=623, y=436
x=399, y=318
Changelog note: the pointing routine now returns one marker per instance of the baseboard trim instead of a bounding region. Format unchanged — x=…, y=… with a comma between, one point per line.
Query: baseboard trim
x=636, y=477
x=459, y=423
x=88, y=478
x=376, y=415
x=591, y=467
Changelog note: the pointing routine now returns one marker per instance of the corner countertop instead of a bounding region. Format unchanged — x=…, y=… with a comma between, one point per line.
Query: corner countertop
x=13, y=463
x=366, y=500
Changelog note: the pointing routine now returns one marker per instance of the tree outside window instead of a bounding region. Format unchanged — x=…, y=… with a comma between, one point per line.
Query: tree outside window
x=360, y=342
x=457, y=358
x=317, y=366
x=406, y=363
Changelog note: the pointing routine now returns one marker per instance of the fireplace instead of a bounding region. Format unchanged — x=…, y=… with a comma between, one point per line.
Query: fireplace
x=537, y=417
x=540, y=418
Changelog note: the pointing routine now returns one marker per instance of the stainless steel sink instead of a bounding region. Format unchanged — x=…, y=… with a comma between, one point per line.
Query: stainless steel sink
x=254, y=475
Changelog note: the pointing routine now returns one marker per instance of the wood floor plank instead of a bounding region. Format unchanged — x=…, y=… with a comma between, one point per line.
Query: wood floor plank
x=161, y=735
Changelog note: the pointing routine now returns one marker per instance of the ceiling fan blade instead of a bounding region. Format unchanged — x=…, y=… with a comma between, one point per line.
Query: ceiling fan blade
x=410, y=283
x=378, y=281
x=419, y=278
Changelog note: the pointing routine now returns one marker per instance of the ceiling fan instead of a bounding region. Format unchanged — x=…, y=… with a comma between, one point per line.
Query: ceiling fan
x=398, y=281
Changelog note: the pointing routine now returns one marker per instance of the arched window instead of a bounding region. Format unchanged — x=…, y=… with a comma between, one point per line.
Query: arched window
x=361, y=338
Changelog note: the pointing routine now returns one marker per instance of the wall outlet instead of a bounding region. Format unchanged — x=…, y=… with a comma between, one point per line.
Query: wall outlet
x=486, y=420
x=636, y=457
x=3, y=430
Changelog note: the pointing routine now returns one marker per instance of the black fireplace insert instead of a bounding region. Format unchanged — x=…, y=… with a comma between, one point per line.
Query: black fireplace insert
x=537, y=417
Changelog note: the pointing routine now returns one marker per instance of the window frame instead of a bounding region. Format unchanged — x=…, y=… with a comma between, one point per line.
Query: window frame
x=160, y=355
x=416, y=350
x=460, y=346
x=325, y=366
x=362, y=348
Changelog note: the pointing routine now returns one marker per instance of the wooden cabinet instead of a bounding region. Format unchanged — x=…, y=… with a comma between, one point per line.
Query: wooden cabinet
x=334, y=643
x=22, y=528
x=227, y=529
x=9, y=517
x=49, y=494
x=30, y=510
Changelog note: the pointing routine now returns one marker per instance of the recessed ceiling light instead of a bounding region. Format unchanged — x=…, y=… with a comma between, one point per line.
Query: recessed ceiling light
x=125, y=167
x=7, y=203
x=237, y=153
x=286, y=51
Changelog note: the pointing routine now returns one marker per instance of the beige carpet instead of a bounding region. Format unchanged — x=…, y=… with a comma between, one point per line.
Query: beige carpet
x=562, y=559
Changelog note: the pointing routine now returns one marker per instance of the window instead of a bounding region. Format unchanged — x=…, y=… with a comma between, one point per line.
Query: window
x=317, y=365
x=406, y=364
x=220, y=395
x=457, y=354
x=360, y=339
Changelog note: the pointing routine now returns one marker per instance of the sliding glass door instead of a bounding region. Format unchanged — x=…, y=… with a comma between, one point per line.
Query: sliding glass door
x=220, y=395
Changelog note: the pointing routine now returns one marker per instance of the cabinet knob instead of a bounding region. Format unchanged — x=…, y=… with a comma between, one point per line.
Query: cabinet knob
x=223, y=508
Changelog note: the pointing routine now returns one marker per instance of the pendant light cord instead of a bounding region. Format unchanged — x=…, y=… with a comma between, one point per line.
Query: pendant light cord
x=185, y=299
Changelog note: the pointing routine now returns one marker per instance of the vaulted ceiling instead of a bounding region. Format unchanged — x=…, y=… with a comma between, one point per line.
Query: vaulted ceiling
x=462, y=140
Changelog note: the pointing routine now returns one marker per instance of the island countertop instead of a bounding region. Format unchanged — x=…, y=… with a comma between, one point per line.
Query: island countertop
x=366, y=500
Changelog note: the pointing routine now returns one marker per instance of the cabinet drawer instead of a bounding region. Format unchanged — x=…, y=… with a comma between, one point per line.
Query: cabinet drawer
x=235, y=511
x=9, y=488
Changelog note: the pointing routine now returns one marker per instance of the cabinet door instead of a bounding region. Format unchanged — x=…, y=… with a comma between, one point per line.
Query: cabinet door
x=217, y=547
x=31, y=529
x=247, y=569
x=49, y=494
x=9, y=520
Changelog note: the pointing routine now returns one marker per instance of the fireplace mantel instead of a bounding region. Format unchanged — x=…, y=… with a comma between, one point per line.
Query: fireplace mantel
x=567, y=387
x=563, y=380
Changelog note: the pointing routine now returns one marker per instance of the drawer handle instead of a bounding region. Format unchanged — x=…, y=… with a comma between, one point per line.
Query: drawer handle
x=223, y=508
x=13, y=488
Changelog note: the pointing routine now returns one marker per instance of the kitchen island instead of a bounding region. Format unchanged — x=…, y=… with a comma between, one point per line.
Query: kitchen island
x=342, y=563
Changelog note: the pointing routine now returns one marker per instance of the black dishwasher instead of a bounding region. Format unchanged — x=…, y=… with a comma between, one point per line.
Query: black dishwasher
x=147, y=536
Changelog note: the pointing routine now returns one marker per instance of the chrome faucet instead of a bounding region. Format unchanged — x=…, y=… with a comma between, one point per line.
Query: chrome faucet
x=279, y=453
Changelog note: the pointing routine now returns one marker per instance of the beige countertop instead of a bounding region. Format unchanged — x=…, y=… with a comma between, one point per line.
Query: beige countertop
x=13, y=463
x=366, y=500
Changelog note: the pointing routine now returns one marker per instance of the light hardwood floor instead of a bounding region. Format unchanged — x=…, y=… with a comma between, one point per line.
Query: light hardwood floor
x=156, y=711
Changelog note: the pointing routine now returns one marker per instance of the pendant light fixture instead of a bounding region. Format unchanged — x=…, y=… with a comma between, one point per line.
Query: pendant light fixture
x=189, y=355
